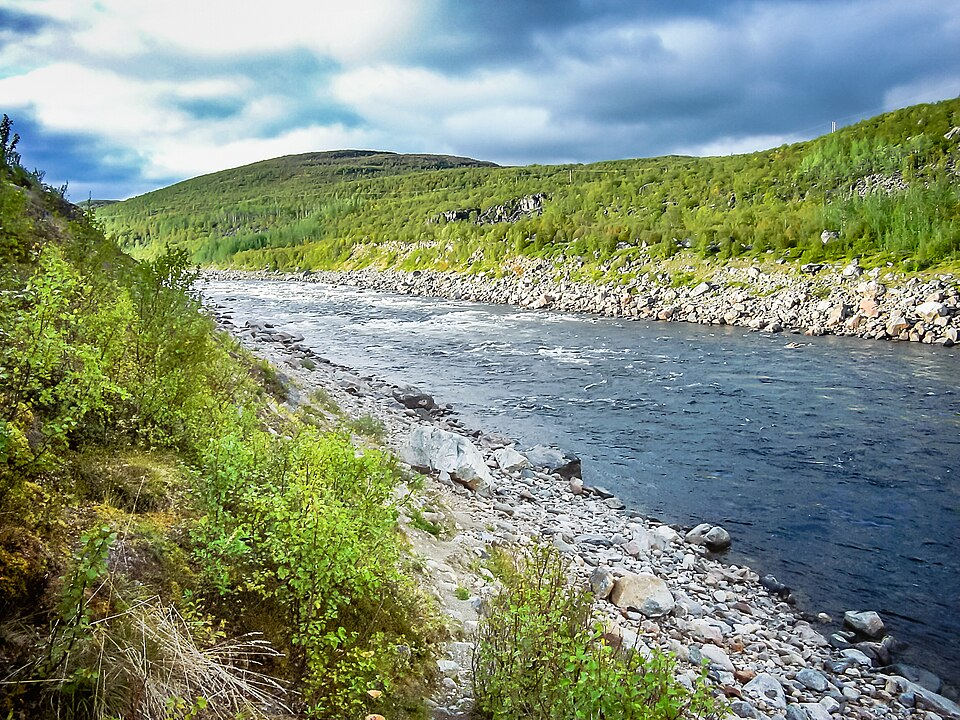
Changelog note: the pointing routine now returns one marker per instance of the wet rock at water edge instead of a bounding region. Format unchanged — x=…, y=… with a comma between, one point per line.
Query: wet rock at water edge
x=921, y=677
x=564, y=464
x=713, y=537
x=646, y=593
x=413, y=399
x=867, y=622
x=775, y=587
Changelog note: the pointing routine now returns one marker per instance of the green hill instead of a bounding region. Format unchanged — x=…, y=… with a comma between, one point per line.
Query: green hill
x=888, y=187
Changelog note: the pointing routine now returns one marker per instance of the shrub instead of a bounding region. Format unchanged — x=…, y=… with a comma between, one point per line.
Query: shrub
x=540, y=655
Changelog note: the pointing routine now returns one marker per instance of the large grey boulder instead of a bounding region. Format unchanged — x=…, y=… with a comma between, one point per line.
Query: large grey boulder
x=430, y=448
x=414, y=399
x=645, y=593
x=565, y=464
x=601, y=582
x=867, y=622
x=713, y=537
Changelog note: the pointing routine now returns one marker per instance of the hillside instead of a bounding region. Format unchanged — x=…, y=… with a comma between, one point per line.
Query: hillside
x=886, y=187
x=179, y=537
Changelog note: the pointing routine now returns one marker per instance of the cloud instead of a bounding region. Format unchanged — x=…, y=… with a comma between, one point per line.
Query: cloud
x=351, y=31
x=177, y=88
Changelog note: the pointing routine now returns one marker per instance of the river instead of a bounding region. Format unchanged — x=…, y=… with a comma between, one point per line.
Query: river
x=833, y=465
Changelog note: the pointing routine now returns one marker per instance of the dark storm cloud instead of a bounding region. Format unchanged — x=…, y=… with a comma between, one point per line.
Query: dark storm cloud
x=85, y=162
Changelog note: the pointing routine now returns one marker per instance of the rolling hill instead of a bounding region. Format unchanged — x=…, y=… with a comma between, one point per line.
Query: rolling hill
x=886, y=188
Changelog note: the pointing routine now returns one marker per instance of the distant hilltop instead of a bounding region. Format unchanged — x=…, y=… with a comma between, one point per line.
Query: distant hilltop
x=884, y=190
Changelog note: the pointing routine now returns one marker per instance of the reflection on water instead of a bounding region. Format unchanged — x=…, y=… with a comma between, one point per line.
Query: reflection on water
x=832, y=464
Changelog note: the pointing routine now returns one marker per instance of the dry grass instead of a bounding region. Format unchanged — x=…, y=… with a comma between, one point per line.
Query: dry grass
x=145, y=663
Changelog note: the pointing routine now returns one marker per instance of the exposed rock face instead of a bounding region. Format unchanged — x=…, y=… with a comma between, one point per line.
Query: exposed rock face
x=430, y=448
x=646, y=593
x=513, y=210
x=879, y=184
x=509, y=212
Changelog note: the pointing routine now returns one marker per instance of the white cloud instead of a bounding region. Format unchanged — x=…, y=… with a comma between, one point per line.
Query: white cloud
x=198, y=153
x=382, y=91
x=736, y=145
x=142, y=116
x=346, y=31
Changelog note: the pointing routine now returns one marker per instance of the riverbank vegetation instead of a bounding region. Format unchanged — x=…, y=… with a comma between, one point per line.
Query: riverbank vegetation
x=174, y=542
x=886, y=188
x=541, y=655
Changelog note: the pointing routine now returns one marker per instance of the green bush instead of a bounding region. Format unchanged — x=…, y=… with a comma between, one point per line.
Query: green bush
x=540, y=655
x=122, y=407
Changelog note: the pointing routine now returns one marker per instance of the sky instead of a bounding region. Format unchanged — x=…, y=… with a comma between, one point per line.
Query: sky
x=118, y=97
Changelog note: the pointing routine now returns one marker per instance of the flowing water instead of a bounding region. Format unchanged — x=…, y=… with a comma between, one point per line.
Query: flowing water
x=834, y=465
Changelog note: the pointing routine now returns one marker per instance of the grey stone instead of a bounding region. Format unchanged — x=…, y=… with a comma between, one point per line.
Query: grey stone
x=646, y=593
x=815, y=711
x=431, y=448
x=717, y=657
x=867, y=622
x=564, y=464
x=601, y=582
x=767, y=688
x=717, y=538
x=509, y=459
x=741, y=708
x=812, y=679
x=857, y=657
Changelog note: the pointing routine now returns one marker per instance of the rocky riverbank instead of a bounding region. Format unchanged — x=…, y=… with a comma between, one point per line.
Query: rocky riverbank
x=656, y=585
x=820, y=299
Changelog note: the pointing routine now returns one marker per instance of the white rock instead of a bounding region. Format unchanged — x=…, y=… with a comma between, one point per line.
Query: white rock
x=717, y=657
x=931, y=310
x=509, y=459
x=435, y=449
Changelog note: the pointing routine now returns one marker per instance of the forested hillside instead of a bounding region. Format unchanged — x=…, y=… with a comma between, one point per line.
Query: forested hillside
x=886, y=187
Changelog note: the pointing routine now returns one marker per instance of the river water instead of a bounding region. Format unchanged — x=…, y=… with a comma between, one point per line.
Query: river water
x=833, y=466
